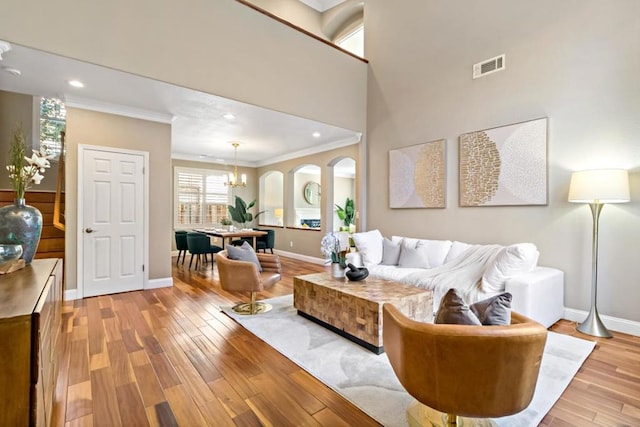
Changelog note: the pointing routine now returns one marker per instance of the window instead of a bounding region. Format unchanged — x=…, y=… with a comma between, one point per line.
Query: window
x=53, y=117
x=201, y=198
x=272, y=198
x=353, y=41
x=306, y=198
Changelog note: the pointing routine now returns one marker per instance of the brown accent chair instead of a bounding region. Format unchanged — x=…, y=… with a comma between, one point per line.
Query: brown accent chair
x=462, y=370
x=243, y=276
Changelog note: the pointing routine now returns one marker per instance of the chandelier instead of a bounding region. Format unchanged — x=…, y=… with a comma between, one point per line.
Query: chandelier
x=232, y=179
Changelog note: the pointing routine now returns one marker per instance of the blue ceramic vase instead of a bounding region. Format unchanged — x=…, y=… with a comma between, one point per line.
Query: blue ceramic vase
x=21, y=224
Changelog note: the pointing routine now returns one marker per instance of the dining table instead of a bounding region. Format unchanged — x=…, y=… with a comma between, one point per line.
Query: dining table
x=230, y=235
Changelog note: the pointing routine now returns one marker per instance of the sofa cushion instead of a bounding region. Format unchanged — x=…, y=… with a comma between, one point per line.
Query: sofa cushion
x=390, y=252
x=369, y=244
x=436, y=249
x=453, y=310
x=457, y=248
x=413, y=257
x=509, y=262
x=495, y=310
x=243, y=253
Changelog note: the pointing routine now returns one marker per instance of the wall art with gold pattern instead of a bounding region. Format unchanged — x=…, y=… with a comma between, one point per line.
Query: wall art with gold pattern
x=504, y=166
x=417, y=176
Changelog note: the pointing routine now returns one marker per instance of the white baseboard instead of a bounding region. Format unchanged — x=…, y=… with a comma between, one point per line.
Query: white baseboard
x=307, y=258
x=70, y=294
x=159, y=283
x=613, y=323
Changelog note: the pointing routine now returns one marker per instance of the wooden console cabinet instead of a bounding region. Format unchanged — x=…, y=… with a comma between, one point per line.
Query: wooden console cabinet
x=30, y=323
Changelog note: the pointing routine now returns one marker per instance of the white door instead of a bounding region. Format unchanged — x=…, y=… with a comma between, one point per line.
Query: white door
x=112, y=224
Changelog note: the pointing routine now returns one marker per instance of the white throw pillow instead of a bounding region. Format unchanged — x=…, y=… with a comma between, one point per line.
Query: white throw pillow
x=390, y=252
x=436, y=250
x=457, y=248
x=413, y=257
x=369, y=244
x=509, y=262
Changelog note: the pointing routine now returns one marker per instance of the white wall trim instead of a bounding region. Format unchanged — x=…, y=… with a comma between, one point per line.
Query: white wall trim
x=165, y=282
x=70, y=294
x=614, y=323
x=307, y=258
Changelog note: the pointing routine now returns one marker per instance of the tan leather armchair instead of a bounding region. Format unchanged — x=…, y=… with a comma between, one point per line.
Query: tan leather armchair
x=470, y=371
x=243, y=276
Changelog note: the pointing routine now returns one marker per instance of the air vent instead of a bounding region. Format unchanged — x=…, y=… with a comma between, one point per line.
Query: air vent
x=489, y=66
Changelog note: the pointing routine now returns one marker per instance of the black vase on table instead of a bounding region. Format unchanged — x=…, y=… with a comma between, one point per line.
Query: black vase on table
x=21, y=224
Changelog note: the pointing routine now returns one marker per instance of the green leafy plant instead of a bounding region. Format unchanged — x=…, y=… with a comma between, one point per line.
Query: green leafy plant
x=25, y=171
x=240, y=214
x=226, y=221
x=348, y=213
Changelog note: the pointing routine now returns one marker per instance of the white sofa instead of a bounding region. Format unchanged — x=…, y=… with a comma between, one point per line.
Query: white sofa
x=479, y=271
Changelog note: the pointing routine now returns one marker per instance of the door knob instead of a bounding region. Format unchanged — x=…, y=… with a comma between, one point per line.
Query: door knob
x=89, y=230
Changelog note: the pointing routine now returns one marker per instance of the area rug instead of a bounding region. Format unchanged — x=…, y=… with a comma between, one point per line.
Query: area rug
x=368, y=381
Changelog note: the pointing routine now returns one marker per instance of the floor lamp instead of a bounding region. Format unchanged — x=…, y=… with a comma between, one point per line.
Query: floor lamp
x=597, y=187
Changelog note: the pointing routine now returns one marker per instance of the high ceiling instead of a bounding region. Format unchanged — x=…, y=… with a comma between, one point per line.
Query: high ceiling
x=200, y=130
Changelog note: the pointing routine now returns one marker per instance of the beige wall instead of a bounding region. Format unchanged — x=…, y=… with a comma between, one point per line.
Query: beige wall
x=219, y=47
x=575, y=62
x=307, y=242
x=107, y=130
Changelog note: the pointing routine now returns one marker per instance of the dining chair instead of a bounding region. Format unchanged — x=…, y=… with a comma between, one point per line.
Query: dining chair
x=181, y=244
x=268, y=241
x=199, y=244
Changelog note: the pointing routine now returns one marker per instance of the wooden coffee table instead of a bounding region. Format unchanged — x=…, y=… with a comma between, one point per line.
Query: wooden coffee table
x=354, y=309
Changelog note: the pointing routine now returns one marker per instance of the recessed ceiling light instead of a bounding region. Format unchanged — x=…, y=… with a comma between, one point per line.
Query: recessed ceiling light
x=229, y=116
x=76, y=83
x=316, y=134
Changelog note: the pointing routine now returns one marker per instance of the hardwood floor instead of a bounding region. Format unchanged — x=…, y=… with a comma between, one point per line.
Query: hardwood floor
x=168, y=357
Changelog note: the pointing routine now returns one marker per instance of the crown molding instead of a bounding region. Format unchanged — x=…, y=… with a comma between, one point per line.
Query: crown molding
x=206, y=159
x=321, y=148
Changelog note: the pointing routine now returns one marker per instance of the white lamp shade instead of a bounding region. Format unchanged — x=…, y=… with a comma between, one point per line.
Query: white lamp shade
x=599, y=186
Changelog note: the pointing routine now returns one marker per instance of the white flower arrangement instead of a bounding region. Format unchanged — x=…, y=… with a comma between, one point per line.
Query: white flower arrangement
x=26, y=171
x=331, y=248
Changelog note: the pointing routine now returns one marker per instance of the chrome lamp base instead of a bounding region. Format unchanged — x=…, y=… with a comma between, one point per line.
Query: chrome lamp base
x=592, y=325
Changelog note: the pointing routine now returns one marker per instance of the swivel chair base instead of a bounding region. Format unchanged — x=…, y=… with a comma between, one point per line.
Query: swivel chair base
x=253, y=307
x=419, y=415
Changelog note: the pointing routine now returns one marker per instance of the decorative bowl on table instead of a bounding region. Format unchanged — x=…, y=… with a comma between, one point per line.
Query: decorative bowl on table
x=356, y=274
x=9, y=252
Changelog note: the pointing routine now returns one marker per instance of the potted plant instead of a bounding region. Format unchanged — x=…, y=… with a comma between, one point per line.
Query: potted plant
x=19, y=222
x=346, y=214
x=240, y=214
x=331, y=248
x=226, y=222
